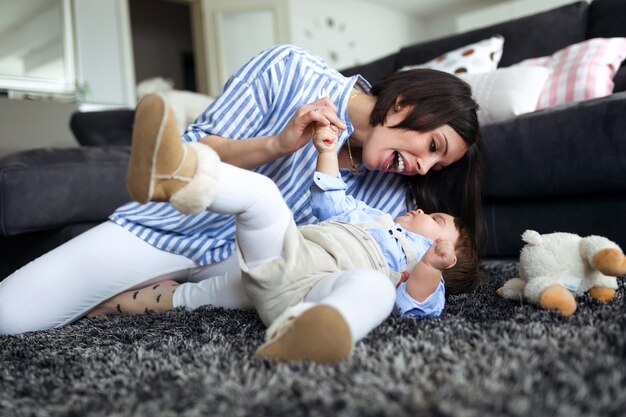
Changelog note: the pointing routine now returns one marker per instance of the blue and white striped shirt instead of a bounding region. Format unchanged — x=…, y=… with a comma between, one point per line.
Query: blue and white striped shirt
x=259, y=100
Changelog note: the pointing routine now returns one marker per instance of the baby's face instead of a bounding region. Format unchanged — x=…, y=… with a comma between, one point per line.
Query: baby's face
x=433, y=226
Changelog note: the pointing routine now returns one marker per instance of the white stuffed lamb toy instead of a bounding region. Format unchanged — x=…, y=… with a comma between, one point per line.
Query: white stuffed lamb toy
x=556, y=267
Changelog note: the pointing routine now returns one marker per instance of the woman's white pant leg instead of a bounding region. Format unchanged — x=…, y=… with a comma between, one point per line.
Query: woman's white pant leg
x=67, y=282
x=364, y=297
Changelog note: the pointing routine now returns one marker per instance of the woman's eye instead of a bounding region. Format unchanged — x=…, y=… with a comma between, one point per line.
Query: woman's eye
x=433, y=145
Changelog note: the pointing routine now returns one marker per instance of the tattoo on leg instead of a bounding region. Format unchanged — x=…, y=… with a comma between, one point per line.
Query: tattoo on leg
x=135, y=295
x=158, y=298
x=119, y=309
x=156, y=286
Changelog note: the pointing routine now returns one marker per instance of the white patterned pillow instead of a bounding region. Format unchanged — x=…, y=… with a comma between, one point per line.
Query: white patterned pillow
x=475, y=58
x=507, y=92
x=581, y=71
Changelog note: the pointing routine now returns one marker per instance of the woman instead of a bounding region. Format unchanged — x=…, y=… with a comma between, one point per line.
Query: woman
x=413, y=123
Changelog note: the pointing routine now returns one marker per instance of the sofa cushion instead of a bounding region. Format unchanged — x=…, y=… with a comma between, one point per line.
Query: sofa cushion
x=620, y=80
x=374, y=71
x=506, y=92
x=49, y=188
x=566, y=150
x=19, y=250
x=607, y=19
x=506, y=220
x=581, y=71
x=102, y=128
x=478, y=57
x=537, y=35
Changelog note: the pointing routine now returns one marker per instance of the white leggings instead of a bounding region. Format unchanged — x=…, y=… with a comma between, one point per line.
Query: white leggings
x=64, y=284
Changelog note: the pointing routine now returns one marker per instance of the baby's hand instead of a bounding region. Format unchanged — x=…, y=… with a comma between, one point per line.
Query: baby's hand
x=325, y=139
x=440, y=255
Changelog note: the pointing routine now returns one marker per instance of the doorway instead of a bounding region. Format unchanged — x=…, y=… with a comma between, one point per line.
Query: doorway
x=162, y=36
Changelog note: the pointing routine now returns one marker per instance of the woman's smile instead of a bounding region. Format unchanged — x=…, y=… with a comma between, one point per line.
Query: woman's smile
x=395, y=163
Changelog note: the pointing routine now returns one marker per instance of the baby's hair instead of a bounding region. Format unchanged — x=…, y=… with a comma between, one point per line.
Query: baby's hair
x=465, y=275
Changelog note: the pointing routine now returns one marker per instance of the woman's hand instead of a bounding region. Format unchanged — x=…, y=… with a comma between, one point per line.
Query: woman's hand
x=302, y=125
x=254, y=152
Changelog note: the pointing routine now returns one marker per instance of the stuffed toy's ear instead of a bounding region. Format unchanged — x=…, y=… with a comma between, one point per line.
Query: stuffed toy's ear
x=532, y=237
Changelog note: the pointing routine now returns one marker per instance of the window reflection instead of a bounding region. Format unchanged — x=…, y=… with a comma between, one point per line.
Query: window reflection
x=36, y=46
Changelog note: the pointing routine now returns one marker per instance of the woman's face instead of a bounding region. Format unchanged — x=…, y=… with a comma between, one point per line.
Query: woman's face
x=408, y=152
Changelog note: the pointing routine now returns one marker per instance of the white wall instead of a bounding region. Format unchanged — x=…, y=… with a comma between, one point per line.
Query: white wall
x=359, y=32
x=104, y=61
x=243, y=46
x=444, y=24
x=233, y=31
x=344, y=33
x=104, y=52
x=348, y=32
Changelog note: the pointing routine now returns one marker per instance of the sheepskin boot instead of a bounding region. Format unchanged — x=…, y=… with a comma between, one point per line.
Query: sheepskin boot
x=162, y=167
x=308, y=331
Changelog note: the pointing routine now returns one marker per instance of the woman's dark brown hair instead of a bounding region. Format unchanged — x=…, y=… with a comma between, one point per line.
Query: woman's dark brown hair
x=438, y=98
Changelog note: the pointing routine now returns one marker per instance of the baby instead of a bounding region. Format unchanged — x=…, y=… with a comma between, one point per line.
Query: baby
x=411, y=237
x=320, y=288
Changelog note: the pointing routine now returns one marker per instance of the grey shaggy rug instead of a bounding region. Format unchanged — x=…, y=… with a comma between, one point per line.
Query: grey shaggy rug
x=483, y=357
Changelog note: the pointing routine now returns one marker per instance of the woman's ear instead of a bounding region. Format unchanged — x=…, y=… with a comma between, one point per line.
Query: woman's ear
x=398, y=106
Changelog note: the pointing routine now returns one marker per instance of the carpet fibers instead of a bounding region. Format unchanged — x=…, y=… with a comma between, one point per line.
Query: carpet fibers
x=483, y=357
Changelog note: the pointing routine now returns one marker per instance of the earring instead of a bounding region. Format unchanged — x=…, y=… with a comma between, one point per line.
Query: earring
x=397, y=107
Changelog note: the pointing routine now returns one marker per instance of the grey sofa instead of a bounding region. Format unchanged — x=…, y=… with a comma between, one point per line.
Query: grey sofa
x=558, y=169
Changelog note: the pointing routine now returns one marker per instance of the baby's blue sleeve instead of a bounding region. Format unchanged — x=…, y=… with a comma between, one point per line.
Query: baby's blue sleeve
x=328, y=196
x=406, y=306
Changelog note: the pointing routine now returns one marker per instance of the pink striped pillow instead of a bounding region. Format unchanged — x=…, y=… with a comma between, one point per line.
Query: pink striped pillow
x=581, y=71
